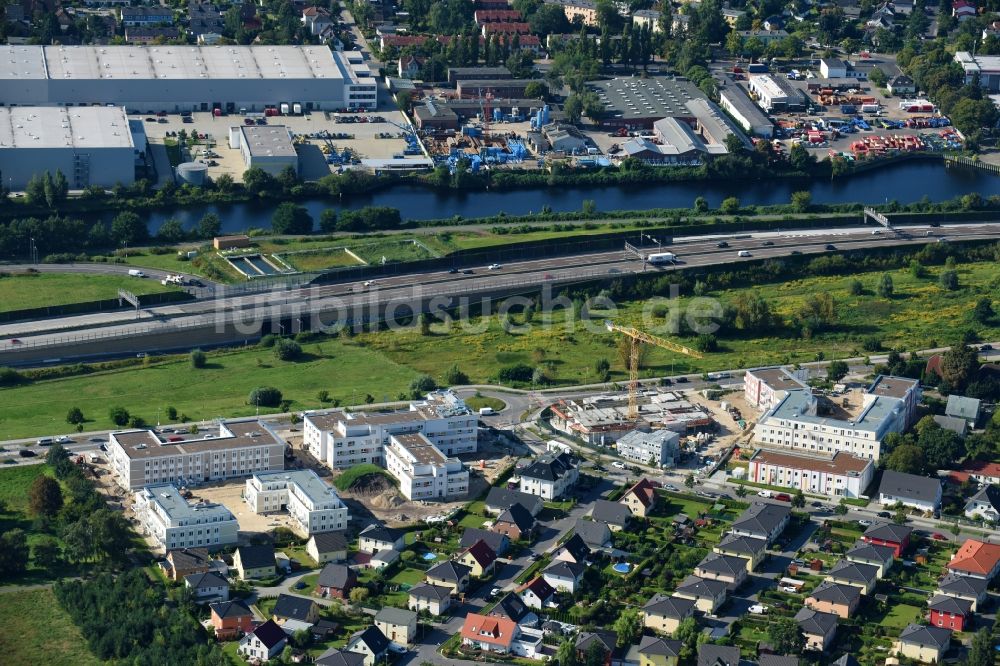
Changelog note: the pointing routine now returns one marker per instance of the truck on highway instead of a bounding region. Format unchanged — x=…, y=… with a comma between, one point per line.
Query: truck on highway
x=662, y=258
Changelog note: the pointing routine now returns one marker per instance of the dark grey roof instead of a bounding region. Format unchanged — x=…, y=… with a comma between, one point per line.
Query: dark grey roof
x=428, y=591
x=963, y=585
x=917, y=634
x=761, y=519
x=656, y=646
x=235, y=608
x=718, y=655
x=611, y=513
x=188, y=558
x=836, y=593
x=335, y=657
x=815, y=622
x=337, y=576
x=496, y=541
x=209, y=579
x=893, y=532
x=394, y=615
x=742, y=544
x=947, y=604
x=549, y=467
x=293, y=608
x=330, y=542
x=256, y=557
x=605, y=637
x=901, y=80
x=517, y=515
x=855, y=572
x=777, y=660
x=962, y=407
x=576, y=547
x=373, y=638
x=511, y=606
x=846, y=660
x=701, y=587
x=270, y=634
x=726, y=565
x=672, y=607
x=871, y=552
x=565, y=569
x=594, y=534
x=988, y=494
x=909, y=486
x=382, y=533
x=450, y=571
x=501, y=498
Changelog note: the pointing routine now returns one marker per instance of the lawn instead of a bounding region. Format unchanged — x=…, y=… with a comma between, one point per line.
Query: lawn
x=347, y=370
x=321, y=259
x=38, y=630
x=391, y=249
x=349, y=477
x=477, y=402
x=14, y=485
x=900, y=615
x=36, y=290
x=407, y=576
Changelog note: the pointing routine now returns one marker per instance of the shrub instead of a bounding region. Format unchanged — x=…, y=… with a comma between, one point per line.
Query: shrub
x=137, y=422
x=268, y=340
x=454, y=375
x=856, y=288
x=74, y=416
x=421, y=385
x=198, y=358
x=287, y=350
x=948, y=280
x=871, y=343
x=10, y=377
x=515, y=373
x=264, y=396
x=172, y=413
x=118, y=415
x=323, y=396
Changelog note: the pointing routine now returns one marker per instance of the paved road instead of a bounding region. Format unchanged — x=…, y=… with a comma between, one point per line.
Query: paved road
x=205, y=320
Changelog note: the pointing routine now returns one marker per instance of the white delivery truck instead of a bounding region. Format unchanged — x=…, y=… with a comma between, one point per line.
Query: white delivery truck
x=284, y=109
x=486, y=411
x=870, y=108
x=136, y=273
x=297, y=109
x=662, y=258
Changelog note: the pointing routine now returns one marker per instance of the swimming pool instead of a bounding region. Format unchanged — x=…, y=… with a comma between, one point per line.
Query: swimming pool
x=430, y=556
x=622, y=567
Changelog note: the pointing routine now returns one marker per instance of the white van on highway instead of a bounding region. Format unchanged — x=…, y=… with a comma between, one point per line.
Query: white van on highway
x=744, y=253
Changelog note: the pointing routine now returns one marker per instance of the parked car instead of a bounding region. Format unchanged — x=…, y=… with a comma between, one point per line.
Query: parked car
x=64, y=439
x=865, y=522
x=744, y=253
x=618, y=464
x=884, y=514
x=937, y=536
x=758, y=609
x=783, y=497
x=495, y=592
x=672, y=487
x=986, y=348
x=396, y=648
x=681, y=380
x=817, y=504
x=789, y=589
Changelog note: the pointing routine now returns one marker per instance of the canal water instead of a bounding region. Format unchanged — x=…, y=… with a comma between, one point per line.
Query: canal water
x=905, y=182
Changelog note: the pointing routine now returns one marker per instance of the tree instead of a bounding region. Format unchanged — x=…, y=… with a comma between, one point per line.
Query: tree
x=837, y=370
x=958, y=365
x=689, y=481
x=573, y=108
x=454, y=376
x=45, y=496
x=596, y=654
x=841, y=508
x=209, y=226
x=289, y=218
x=359, y=594
x=257, y=182
x=58, y=459
x=801, y=201
x=855, y=288
x=798, y=499
x=741, y=490
x=198, y=358
x=983, y=312
x=940, y=447
x=566, y=653
x=328, y=220
x=730, y=206
x=264, y=396
x=13, y=552
x=422, y=385
x=118, y=415
x=948, y=280
x=46, y=552
x=906, y=458
x=537, y=89
x=424, y=324
x=701, y=205
x=287, y=350
x=786, y=638
x=171, y=231
x=981, y=653
x=628, y=626
x=126, y=227
x=74, y=416
x=885, y=287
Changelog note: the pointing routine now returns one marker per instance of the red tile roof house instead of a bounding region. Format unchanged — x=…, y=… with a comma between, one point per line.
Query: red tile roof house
x=231, y=619
x=976, y=559
x=895, y=536
x=983, y=472
x=492, y=634
x=950, y=612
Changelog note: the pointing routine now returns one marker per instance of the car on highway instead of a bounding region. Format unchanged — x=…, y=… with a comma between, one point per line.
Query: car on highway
x=14, y=341
x=795, y=252
x=744, y=253
x=369, y=283
x=452, y=271
x=494, y=267
x=876, y=232
x=864, y=522
x=26, y=453
x=722, y=244
x=64, y=439
x=767, y=243
x=618, y=465
x=829, y=246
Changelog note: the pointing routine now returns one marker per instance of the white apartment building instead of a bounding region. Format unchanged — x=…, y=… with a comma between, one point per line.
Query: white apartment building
x=342, y=440
x=313, y=504
x=659, y=447
x=764, y=388
x=889, y=405
x=232, y=449
x=175, y=523
x=843, y=475
x=422, y=470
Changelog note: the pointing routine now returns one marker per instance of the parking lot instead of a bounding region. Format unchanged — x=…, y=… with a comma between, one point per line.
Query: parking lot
x=372, y=140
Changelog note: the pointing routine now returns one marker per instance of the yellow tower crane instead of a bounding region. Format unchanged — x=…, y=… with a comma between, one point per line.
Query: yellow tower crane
x=637, y=338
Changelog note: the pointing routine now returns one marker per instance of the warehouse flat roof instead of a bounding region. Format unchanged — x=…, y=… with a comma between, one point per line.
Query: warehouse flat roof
x=736, y=97
x=773, y=86
x=307, y=481
x=420, y=449
x=59, y=127
x=268, y=141
x=168, y=62
x=657, y=96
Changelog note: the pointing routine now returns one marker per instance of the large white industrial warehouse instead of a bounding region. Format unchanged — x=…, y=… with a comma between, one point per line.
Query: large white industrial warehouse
x=147, y=79
x=93, y=145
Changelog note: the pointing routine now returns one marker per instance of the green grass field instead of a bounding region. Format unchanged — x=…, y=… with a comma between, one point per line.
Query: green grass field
x=317, y=260
x=38, y=630
x=477, y=402
x=350, y=476
x=900, y=615
x=38, y=290
x=14, y=485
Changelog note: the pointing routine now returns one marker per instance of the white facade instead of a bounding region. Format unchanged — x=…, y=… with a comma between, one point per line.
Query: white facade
x=550, y=477
x=342, y=440
x=422, y=470
x=185, y=78
x=658, y=448
x=764, y=388
x=313, y=504
x=842, y=476
x=233, y=449
x=174, y=523
x=266, y=147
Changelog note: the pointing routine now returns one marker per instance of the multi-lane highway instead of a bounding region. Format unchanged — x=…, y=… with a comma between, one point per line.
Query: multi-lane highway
x=225, y=318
